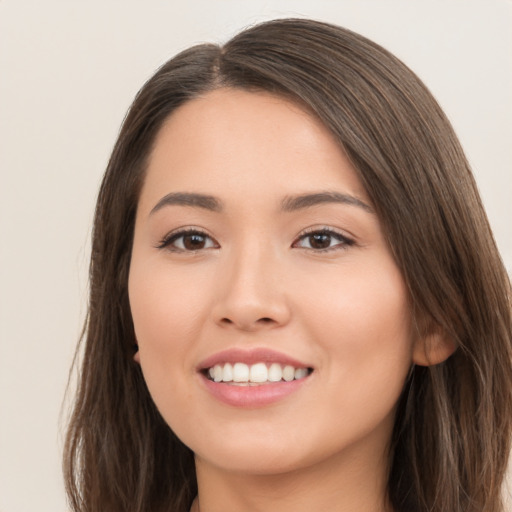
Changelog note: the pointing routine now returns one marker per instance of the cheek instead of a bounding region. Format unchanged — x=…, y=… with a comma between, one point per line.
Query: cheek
x=362, y=323
x=168, y=315
x=166, y=303
x=155, y=305
x=366, y=307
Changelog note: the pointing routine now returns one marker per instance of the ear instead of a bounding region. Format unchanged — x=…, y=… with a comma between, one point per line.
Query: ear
x=136, y=356
x=432, y=348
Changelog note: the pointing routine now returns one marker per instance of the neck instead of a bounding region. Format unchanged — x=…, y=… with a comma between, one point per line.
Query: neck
x=338, y=484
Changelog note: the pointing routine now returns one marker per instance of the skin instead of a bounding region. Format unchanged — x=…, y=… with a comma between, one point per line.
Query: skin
x=257, y=282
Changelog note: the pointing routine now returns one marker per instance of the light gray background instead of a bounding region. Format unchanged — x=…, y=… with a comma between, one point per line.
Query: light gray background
x=69, y=70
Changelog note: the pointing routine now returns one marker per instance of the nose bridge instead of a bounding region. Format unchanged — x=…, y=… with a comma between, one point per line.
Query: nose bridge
x=253, y=295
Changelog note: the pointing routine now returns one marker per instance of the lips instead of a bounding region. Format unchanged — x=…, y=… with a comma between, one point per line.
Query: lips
x=249, y=357
x=252, y=378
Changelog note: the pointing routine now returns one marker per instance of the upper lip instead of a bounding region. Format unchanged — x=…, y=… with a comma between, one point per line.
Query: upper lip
x=250, y=356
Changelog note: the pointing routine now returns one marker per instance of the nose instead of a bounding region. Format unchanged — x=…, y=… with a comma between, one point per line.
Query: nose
x=252, y=295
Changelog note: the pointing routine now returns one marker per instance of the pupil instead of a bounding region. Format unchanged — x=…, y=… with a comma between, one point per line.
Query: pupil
x=193, y=242
x=320, y=241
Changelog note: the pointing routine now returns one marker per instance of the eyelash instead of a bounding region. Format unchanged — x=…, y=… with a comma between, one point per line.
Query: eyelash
x=344, y=241
x=169, y=239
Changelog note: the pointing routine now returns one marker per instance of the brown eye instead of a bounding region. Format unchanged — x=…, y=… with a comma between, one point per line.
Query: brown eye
x=194, y=241
x=188, y=241
x=323, y=240
x=319, y=241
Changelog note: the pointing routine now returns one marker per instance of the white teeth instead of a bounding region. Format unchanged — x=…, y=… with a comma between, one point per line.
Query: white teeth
x=240, y=372
x=217, y=373
x=300, y=373
x=275, y=372
x=227, y=375
x=257, y=373
x=288, y=373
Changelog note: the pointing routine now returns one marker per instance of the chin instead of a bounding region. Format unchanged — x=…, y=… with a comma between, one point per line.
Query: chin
x=252, y=462
x=248, y=452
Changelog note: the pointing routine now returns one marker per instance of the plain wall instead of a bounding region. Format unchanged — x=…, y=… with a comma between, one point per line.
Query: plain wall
x=68, y=72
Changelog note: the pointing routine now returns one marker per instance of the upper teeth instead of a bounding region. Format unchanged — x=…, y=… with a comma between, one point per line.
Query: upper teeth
x=257, y=373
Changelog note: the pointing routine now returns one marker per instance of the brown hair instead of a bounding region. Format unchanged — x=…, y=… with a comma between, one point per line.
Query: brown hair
x=452, y=433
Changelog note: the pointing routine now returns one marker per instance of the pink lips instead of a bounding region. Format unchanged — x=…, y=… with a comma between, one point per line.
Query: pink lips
x=253, y=356
x=250, y=396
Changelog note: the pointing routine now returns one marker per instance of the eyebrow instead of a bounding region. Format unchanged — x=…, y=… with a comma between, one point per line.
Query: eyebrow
x=288, y=204
x=293, y=203
x=189, y=199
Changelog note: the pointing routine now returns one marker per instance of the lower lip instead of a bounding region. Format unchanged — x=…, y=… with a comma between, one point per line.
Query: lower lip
x=252, y=396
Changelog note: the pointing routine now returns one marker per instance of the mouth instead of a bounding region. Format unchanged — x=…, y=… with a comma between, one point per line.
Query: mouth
x=260, y=373
x=253, y=378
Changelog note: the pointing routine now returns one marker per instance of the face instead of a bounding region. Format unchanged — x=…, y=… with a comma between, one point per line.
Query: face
x=272, y=322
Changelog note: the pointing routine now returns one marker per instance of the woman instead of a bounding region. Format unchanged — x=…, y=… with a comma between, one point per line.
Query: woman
x=296, y=300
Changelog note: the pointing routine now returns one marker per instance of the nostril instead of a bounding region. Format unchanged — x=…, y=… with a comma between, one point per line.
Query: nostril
x=247, y=323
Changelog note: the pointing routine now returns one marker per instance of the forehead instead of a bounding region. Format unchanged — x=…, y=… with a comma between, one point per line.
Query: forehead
x=236, y=142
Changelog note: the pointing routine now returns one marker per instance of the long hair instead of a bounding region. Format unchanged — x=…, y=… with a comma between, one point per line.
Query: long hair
x=452, y=432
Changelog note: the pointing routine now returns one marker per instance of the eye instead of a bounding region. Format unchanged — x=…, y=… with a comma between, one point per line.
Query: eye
x=323, y=240
x=189, y=240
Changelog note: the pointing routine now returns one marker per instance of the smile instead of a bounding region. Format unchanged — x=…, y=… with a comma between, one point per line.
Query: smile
x=253, y=378
x=242, y=374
